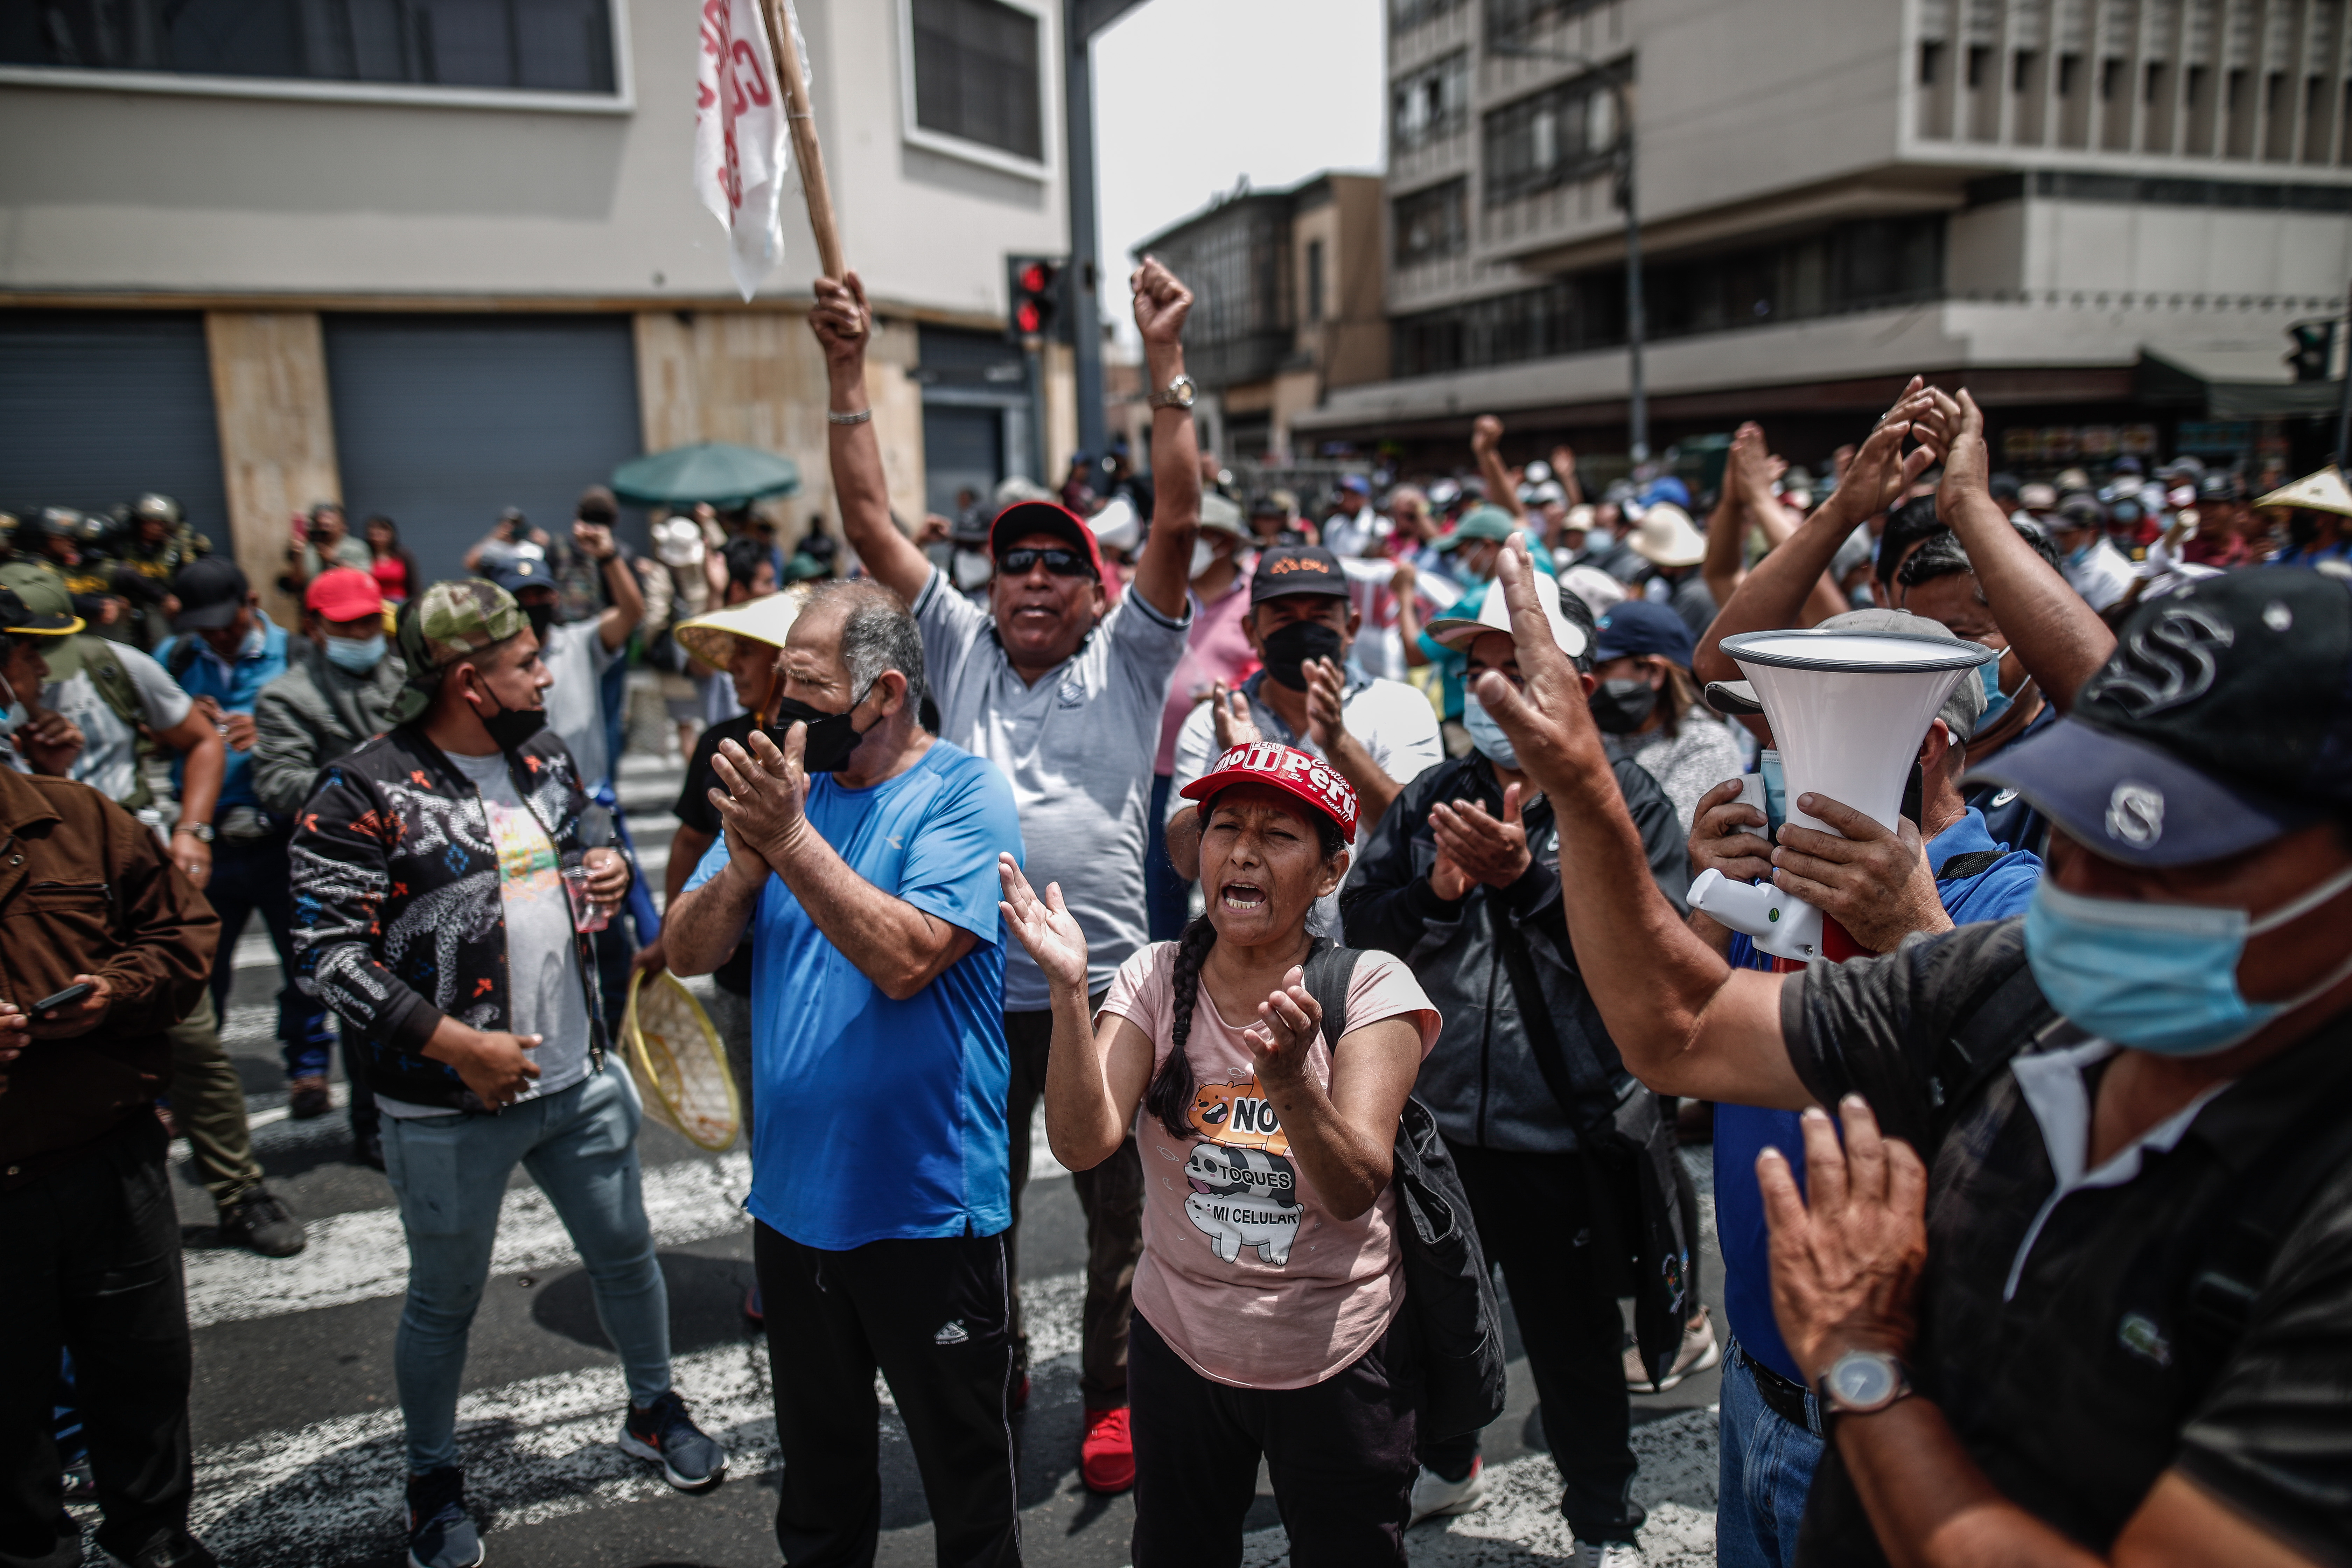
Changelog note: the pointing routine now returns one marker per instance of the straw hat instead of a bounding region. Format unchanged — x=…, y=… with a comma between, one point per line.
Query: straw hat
x=1666, y=537
x=2322, y=492
x=712, y=637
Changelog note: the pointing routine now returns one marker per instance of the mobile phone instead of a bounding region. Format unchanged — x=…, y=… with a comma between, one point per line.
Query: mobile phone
x=65, y=999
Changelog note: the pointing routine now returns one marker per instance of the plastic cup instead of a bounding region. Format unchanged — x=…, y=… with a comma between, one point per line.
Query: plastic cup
x=587, y=913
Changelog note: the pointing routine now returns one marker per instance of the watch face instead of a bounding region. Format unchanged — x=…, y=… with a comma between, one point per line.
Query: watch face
x=1862, y=1381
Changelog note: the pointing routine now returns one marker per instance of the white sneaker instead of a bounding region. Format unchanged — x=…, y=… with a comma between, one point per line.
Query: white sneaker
x=1697, y=1352
x=1609, y=1555
x=1434, y=1495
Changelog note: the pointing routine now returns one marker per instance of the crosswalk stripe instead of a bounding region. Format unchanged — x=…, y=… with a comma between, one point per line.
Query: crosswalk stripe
x=535, y=1449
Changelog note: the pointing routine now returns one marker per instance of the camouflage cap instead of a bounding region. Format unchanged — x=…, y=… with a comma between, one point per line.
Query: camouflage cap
x=448, y=622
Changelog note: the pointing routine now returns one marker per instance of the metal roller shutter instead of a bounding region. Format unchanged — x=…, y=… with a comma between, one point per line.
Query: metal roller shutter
x=440, y=421
x=98, y=406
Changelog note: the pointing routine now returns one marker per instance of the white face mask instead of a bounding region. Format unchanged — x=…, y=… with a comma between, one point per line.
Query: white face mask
x=973, y=570
x=1204, y=556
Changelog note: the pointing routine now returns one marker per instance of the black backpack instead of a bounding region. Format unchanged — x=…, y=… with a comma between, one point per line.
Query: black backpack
x=1449, y=1293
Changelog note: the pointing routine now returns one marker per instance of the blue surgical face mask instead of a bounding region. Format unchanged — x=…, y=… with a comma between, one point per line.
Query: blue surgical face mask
x=2081, y=552
x=357, y=655
x=1997, y=701
x=1487, y=735
x=2161, y=978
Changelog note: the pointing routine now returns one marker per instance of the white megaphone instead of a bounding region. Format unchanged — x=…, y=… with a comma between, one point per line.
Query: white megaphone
x=1847, y=712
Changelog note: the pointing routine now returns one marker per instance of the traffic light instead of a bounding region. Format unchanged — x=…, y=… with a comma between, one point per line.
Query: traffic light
x=1033, y=294
x=2313, y=340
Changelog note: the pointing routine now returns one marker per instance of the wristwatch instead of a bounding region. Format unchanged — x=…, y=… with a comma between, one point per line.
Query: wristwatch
x=202, y=832
x=1861, y=1382
x=1180, y=393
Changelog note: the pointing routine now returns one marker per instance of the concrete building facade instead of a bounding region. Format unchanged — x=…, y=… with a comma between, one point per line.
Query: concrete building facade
x=1290, y=303
x=2101, y=215
x=430, y=257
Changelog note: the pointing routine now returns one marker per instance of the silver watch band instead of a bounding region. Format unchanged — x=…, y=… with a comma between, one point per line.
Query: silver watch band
x=860, y=417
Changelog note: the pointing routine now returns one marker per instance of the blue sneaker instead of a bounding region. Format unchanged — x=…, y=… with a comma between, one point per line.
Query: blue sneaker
x=667, y=1435
x=439, y=1533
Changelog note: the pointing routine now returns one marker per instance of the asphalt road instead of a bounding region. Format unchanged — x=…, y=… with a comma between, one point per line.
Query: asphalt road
x=296, y=1424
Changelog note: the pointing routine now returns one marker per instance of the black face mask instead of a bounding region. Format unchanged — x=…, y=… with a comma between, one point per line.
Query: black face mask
x=1619, y=706
x=831, y=737
x=509, y=728
x=541, y=616
x=1288, y=649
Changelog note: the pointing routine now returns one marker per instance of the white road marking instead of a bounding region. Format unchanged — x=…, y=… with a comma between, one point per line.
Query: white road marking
x=536, y=1450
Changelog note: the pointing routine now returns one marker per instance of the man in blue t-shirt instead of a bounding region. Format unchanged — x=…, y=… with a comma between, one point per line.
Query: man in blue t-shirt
x=861, y=855
x=1882, y=887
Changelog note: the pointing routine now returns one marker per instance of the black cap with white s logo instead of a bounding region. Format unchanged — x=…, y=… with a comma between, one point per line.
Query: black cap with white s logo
x=2223, y=719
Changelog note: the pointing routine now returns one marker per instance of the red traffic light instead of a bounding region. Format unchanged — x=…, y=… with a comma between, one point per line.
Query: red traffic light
x=1027, y=317
x=1035, y=277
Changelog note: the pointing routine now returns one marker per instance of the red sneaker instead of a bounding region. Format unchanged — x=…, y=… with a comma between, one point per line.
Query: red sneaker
x=1107, y=1455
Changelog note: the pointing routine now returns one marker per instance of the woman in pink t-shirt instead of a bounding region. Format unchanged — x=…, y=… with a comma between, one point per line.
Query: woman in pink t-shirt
x=1267, y=1295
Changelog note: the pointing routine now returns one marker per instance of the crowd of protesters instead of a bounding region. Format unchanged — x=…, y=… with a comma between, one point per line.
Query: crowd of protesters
x=1300, y=870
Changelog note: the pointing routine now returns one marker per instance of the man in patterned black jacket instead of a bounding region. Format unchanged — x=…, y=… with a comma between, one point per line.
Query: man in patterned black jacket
x=435, y=873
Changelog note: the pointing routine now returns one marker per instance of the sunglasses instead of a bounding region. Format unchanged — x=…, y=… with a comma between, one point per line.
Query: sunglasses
x=1060, y=563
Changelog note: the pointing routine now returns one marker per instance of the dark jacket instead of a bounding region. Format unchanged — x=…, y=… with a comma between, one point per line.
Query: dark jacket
x=1482, y=1078
x=398, y=918
x=85, y=890
x=312, y=714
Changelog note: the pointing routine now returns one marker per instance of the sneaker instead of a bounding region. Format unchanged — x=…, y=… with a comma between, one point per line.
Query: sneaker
x=667, y=1435
x=260, y=1222
x=166, y=1548
x=1697, y=1352
x=1609, y=1555
x=439, y=1533
x=307, y=1096
x=1434, y=1495
x=1106, y=1454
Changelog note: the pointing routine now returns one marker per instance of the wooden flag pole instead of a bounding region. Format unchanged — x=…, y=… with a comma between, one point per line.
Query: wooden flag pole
x=805, y=151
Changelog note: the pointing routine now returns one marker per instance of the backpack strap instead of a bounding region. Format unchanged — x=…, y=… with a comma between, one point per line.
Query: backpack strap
x=1975, y=863
x=1331, y=970
x=112, y=681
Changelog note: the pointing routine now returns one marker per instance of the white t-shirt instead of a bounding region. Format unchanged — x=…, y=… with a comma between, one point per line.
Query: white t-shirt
x=109, y=762
x=1393, y=720
x=576, y=656
x=544, y=994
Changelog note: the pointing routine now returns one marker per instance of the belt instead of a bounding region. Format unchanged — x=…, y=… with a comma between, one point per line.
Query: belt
x=1784, y=1398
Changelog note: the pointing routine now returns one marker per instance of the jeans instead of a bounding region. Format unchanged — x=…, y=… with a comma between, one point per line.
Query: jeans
x=1767, y=1464
x=93, y=1251
x=450, y=1174
x=1167, y=897
x=252, y=876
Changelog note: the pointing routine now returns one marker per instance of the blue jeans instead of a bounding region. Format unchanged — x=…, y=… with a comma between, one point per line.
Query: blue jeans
x=450, y=1173
x=1167, y=897
x=253, y=877
x=1767, y=1470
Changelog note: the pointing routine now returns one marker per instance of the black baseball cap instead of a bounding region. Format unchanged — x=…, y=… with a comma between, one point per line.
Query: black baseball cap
x=1023, y=517
x=523, y=573
x=211, y=590
x=1289, y=569
x=2222, y=720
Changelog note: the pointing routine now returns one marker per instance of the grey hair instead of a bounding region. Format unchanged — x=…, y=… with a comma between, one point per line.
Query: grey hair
x=878, y=633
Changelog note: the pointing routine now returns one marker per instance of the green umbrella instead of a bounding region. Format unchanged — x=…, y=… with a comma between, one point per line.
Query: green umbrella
x=717, y=471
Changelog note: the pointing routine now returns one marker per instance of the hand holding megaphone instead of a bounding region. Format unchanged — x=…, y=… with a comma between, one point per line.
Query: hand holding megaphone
x=1874, y=881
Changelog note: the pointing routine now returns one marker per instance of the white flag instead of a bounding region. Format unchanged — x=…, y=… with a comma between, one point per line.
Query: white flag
x=740, y=160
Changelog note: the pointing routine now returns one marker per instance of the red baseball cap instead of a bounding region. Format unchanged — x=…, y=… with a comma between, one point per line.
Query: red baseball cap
x=1318, y=784
x=1023, y=517
x=344, y=594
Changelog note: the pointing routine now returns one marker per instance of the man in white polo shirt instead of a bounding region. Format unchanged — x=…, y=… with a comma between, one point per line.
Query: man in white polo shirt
x=1063, y=692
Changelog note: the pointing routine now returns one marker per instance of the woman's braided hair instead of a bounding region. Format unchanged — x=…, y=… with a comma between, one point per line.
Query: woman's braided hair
x=1170, y=1095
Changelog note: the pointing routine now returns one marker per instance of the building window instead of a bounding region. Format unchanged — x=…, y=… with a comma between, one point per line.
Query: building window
x=1432, y=224
x=1404, y=14
x=1314, y=282
x=1563, y=316
x=1931, y=54
x=976, y=75
x=1552, y=137
x=533, y=46
x=1509, y=22
x=1431, y=104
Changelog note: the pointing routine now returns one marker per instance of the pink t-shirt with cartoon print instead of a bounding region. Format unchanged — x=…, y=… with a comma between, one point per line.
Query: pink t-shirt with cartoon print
x=1244, y=1270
